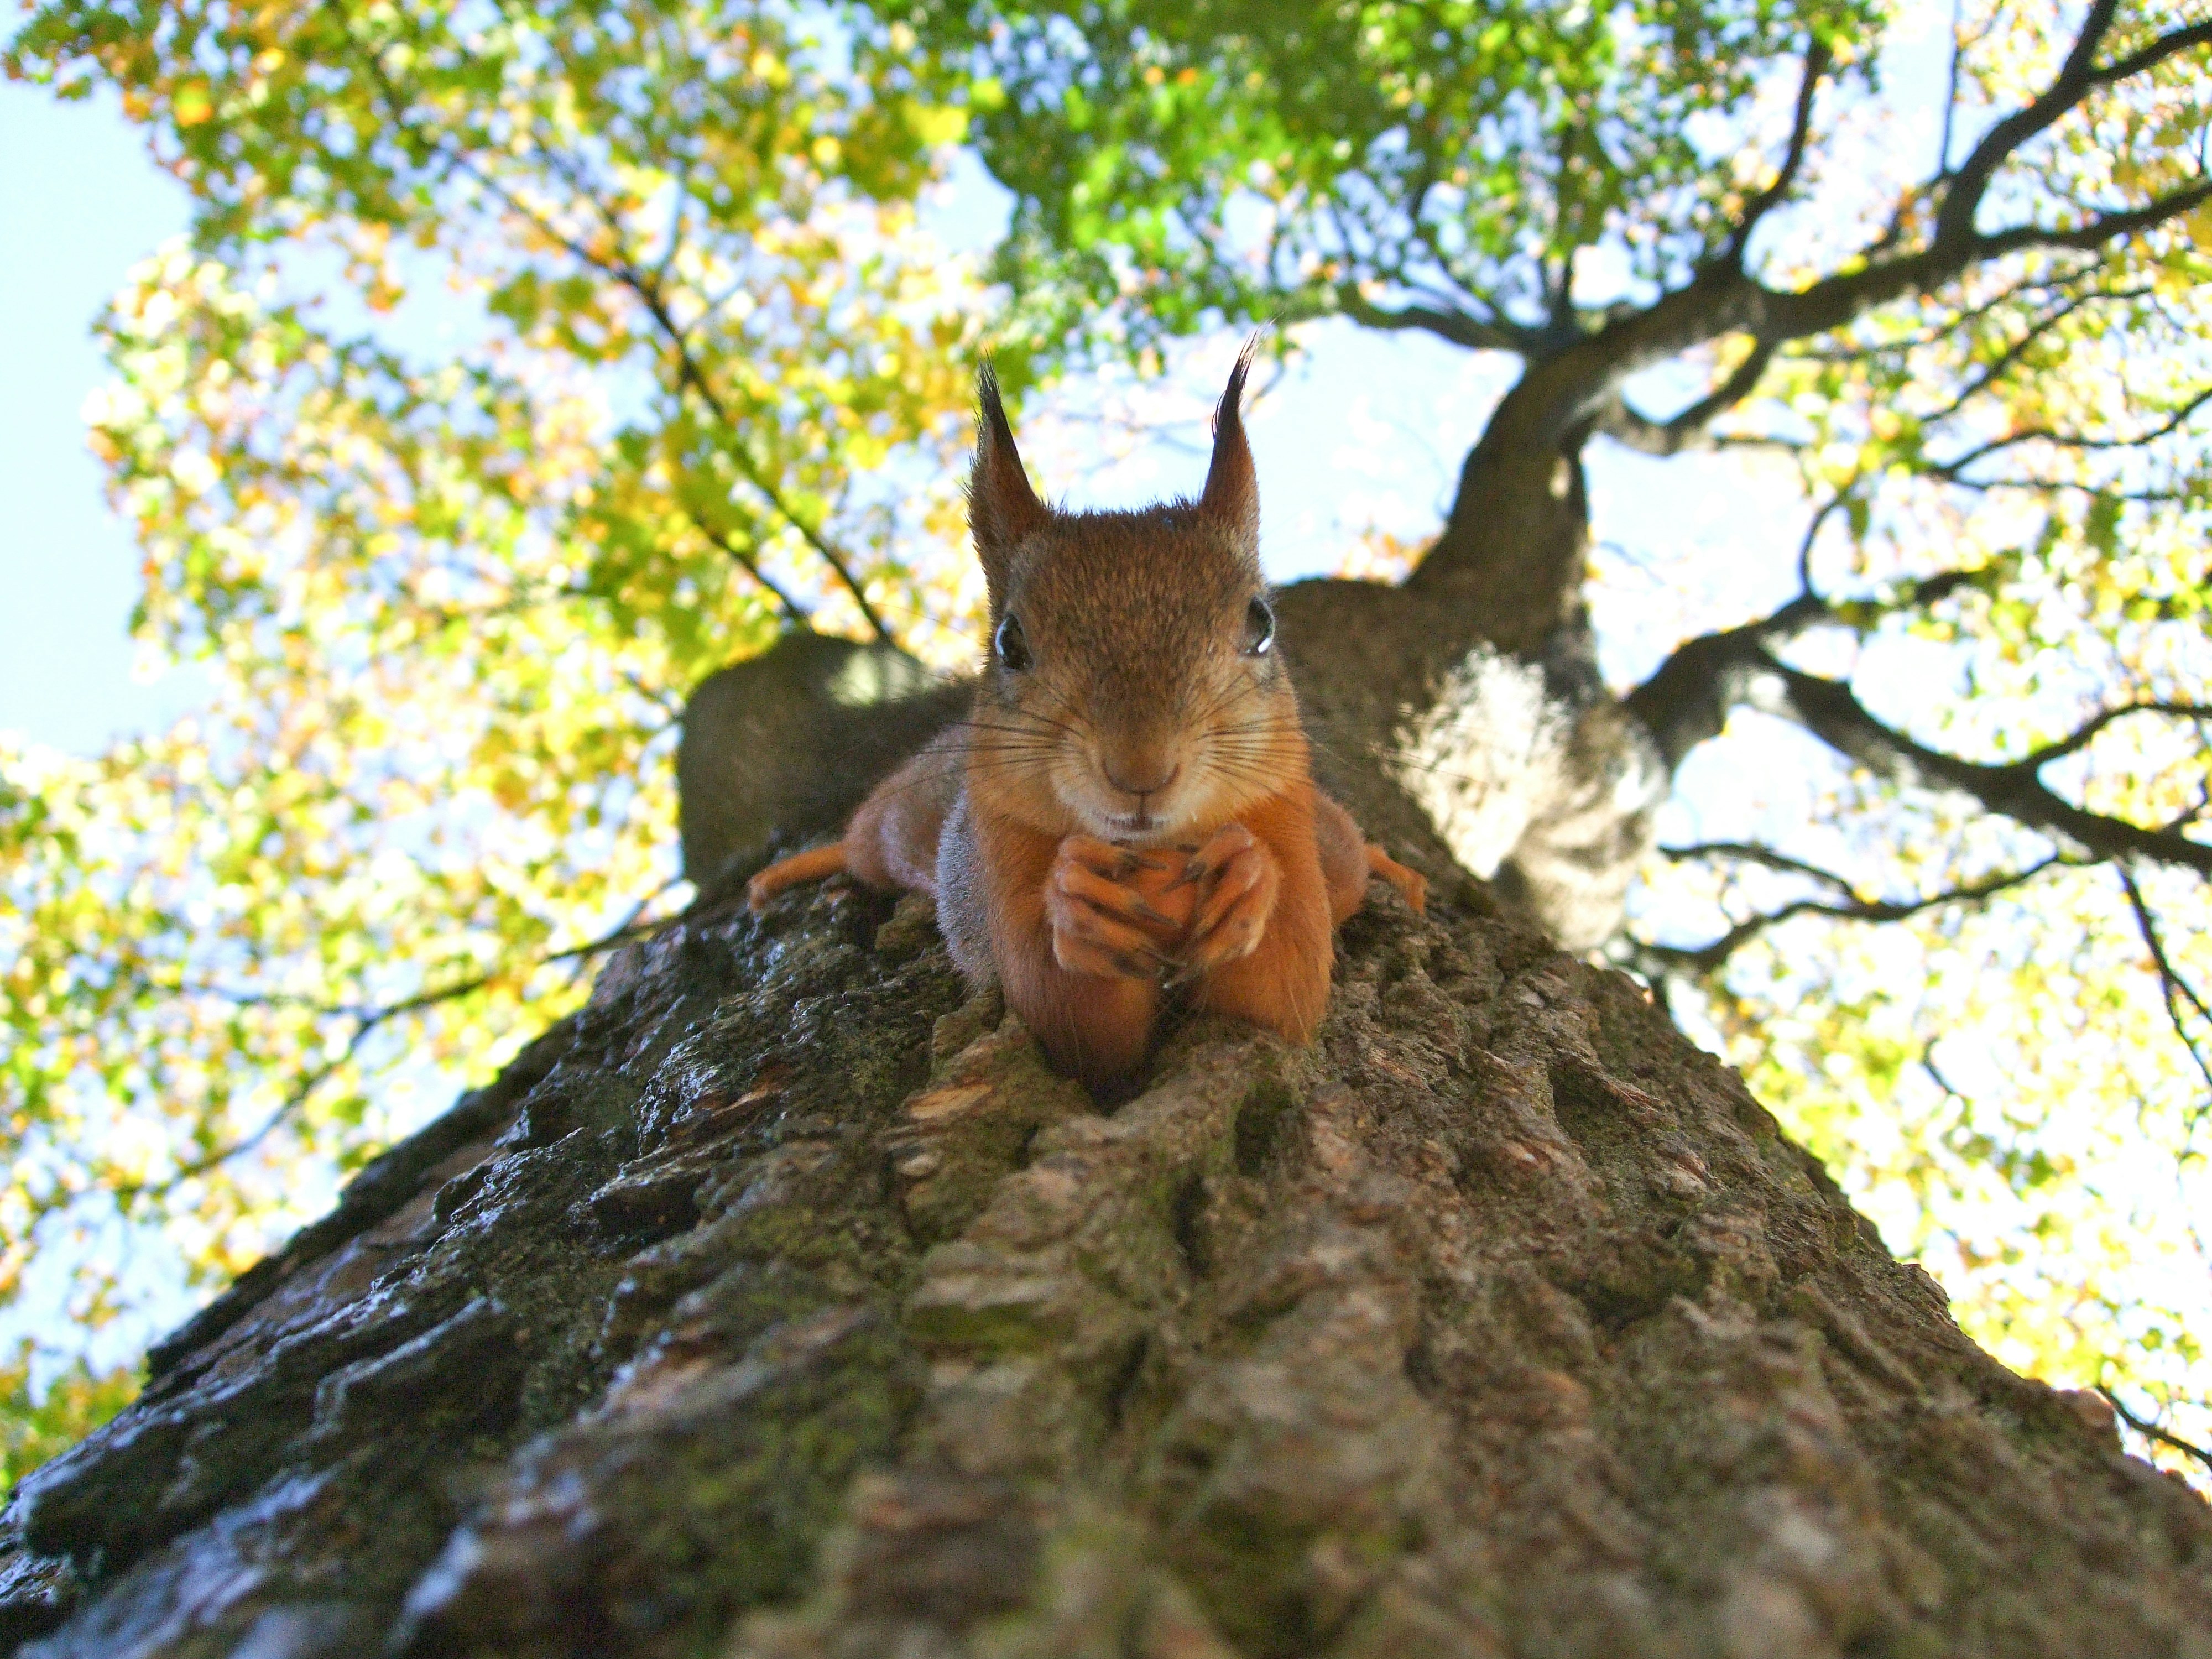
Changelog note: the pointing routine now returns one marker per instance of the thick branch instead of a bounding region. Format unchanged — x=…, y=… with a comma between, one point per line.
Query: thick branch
x=1578, y=383
x=1955, y=220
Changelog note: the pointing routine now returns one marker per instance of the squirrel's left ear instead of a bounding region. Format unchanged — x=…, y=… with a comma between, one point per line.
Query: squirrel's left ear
x=1002, y=508
x=1231, y=497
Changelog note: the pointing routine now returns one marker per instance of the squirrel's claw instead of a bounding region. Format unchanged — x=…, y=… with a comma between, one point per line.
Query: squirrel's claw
x=1099, y=927
x=1243, y=879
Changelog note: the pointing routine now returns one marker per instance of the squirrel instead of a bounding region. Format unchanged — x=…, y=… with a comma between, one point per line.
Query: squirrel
x=1129, y=809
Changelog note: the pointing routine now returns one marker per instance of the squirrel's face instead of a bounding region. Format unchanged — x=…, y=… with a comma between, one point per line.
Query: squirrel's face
x=1134, y=685
x=1134, y=688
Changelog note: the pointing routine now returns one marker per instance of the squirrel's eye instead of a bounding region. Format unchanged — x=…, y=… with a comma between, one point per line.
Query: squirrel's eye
x=1259, y=627
x=1014, y=650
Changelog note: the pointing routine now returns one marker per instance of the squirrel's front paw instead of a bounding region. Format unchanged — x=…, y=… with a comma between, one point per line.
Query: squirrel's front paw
x=1103, y=923
x=1236, y=879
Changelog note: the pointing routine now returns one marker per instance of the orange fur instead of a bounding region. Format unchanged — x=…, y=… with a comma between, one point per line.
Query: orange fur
x=1412, y=886
x=1283, y=984
x=1094, y=1027
x=812, y=864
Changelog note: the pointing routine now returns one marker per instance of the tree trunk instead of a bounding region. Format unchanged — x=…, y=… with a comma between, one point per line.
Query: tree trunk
x=782, y=1303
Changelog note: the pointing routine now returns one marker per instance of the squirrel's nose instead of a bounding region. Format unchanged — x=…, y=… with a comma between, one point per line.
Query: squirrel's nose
x=1149, y=782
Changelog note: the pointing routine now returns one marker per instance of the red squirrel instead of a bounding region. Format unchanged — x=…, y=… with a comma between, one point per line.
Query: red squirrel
x=1130, y=809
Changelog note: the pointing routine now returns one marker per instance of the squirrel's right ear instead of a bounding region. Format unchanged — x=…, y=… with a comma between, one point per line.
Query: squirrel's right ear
x=1002, y=507
x=1231, y=496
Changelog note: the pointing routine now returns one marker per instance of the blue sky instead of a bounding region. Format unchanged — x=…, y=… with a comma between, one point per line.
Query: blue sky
x=80, y=203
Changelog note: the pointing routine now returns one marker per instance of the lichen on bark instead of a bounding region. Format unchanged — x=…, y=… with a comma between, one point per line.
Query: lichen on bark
x=783, y=1303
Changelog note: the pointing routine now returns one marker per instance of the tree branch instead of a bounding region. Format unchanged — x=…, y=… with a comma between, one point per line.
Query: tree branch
x=2175, y=989
x=1951, y=469
x=1955, y=219
x=1687, y=430
x=1702, y=959
x=1576, y=383
x=1817, y=58
x=1456, y=327
x=1950, y=95
x=1751, y=852
x=2081, y=736
x=688, y=374
x=2152, y=1431
x=367, y=1021
x=647, y=290
x=1688, y=699
x=797, y=612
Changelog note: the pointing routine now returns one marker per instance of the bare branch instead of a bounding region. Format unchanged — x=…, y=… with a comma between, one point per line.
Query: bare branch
x=2166, y=429
x=798, y=613
x=1954, y=219
x=2082, y=735
x=1817, y=58
x=1950, y=95
x=2004, y=362
x=367, y=1021
x=2172, y=987
x=1687, y=430
x=1687, y=700
x=1704, y=958
x=1455, y=325
x=1956, y=320
x=2152, y=1431
x=1575, y=382
x=1751, y=852
x=2165, y=46
x=690, y=373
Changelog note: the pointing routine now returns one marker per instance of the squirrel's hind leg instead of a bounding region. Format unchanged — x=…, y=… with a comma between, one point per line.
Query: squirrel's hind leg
x=1411, y=884
x=891, y=842
x=812, y=864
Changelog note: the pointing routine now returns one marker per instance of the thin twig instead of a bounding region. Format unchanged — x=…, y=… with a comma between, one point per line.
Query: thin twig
x=1751, y=852
x=1704, y=958
x=744, y=560
x=2175, y=989
x=2151, y=1431
x=368, y=1020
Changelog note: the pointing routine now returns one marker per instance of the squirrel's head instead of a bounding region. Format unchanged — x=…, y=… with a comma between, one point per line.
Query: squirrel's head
x=1134, y=689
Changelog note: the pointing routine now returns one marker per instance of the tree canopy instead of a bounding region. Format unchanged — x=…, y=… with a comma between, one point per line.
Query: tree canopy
x=524, y=364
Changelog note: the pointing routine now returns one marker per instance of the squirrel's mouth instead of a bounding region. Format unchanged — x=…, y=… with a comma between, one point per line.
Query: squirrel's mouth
x=1143, y=827
x=1108, y=809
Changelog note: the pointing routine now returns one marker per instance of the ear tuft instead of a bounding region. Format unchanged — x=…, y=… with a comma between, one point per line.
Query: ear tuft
x=1002, y=508
x=1231, y=497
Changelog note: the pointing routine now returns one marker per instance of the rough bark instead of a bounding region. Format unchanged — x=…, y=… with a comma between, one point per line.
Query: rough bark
x=782, y=1303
